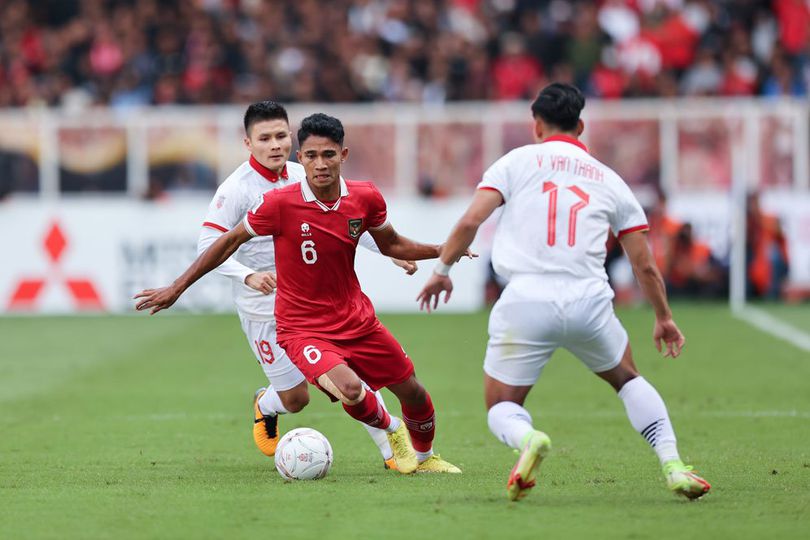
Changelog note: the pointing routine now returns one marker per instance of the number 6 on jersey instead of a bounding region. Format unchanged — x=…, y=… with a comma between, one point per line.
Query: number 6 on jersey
x=308, y=252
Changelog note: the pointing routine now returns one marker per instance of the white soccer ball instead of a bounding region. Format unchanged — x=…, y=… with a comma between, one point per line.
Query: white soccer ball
x=303, y=454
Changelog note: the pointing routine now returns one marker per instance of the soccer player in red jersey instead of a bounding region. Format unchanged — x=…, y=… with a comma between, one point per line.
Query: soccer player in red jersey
x=325, y=323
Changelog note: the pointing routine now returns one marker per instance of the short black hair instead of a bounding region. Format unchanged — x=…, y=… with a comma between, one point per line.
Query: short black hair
x=322, y=125
x=264, y=110
x=559, y=104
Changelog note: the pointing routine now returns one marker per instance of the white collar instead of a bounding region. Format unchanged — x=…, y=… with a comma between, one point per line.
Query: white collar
x=309, y=196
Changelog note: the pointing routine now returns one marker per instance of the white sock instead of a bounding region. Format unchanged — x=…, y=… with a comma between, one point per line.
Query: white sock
x=422, y=456
x=270, y=403
x=509, y=422
x=648, y=415
x=394, y=425
x=378, y=435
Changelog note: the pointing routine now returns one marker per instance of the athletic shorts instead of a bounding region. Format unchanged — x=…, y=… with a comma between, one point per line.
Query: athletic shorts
x=280, y=372
x=523, y=334
x=377, y=358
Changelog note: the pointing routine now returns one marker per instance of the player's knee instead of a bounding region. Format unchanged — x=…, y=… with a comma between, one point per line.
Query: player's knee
x=410, y=392
x=296, y=401
x=352, y=390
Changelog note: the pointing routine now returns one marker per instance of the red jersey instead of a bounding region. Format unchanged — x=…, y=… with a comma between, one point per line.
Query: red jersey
x=318, y=292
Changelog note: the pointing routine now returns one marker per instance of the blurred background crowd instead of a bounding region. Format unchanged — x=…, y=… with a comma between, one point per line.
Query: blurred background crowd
x=132, y=52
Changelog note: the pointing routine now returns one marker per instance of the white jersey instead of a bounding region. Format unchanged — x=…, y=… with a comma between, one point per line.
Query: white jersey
x=559, y=204
x=234, y=197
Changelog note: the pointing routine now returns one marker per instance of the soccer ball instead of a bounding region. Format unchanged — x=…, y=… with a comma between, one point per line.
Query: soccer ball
x=303, y=454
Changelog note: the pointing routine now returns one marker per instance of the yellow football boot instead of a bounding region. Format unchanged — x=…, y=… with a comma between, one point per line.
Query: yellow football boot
x=404, y=454
x=682, y=480
x=435, y=464
x=265, y=427
x=390, y=464
x=536, y=445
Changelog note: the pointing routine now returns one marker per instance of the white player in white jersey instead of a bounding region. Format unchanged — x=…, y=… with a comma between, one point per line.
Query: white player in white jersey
x=558, y=204
x=252, y=269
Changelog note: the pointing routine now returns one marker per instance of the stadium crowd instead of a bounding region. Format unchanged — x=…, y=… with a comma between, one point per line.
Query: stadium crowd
x=128, y=52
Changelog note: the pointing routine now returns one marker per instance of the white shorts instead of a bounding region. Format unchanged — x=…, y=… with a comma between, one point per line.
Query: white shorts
x=524, y=333
x=280, y=371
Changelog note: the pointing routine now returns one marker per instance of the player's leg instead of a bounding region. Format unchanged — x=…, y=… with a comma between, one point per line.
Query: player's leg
x=522, y=339
x=287, y=391
x=380, y=438
x=343, y=383
x=274, y=401
x=506, y=417
x=381, y=361
x=420, y=419
x=649, y=417
x=512, y=425
x=324, y=363
x=602, y=344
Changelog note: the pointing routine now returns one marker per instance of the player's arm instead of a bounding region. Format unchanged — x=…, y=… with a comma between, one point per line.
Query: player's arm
x=261, y=281
x=367, y=241
x=393, y=244
x=484, y=202
x=652, y=285
x=222, y=248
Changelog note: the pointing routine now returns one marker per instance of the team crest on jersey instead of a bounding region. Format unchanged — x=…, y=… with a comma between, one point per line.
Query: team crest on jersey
x=305, y=229
x=354, y=227
x=220, y=201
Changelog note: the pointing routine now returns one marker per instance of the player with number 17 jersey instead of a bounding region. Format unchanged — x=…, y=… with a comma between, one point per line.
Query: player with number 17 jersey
x=318, y=291
x=560, y=203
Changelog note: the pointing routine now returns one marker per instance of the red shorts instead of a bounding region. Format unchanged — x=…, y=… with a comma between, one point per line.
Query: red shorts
x=377, y=358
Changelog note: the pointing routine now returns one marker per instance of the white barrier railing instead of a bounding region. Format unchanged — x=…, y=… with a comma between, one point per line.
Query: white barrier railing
x=679, y=145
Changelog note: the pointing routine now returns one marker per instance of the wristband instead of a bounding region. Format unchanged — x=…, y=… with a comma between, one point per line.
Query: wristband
x=442, y=269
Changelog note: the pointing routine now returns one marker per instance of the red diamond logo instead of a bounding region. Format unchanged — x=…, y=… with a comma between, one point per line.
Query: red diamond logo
x=26, y=293
x=28, y=289
x=55, y=243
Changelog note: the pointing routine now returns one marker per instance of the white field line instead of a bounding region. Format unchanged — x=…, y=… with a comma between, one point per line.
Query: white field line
x=180, y=416
x=771, y=325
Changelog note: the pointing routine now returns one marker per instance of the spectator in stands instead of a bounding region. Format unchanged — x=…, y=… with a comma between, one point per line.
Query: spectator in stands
x=515, y=74
x=690, y=269
x=663, y=232
x=128, y=52
x=766, y=252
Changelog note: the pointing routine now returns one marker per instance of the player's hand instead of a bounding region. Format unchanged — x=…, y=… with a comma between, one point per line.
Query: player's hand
x=157, y=299
x=667, y=331
x=433, y=289
x=410, y=267
x=467, y=253
x=264, y=282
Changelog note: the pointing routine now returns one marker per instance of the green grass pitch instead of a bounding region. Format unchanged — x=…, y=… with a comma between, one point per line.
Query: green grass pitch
x=137, y=427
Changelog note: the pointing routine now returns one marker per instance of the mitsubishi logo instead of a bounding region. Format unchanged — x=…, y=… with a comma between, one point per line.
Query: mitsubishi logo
x=29, y=289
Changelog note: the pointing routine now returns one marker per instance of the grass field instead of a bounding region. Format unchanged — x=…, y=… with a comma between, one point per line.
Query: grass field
x=136, y=427
x=797, y=315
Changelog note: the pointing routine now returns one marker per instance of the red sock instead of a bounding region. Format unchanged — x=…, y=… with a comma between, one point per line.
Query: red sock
x=421, y=423
x=369, y=411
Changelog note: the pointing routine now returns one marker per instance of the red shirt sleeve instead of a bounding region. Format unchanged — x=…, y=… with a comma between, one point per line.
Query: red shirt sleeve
x=263, y=219
x=377, y=209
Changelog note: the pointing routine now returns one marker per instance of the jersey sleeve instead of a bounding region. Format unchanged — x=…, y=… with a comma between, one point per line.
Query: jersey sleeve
x=497, y=177
x=263, y=219
x=628, y=216
x=377, y=210
x=368, y=242
x=231, y=267
x=225, y=210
